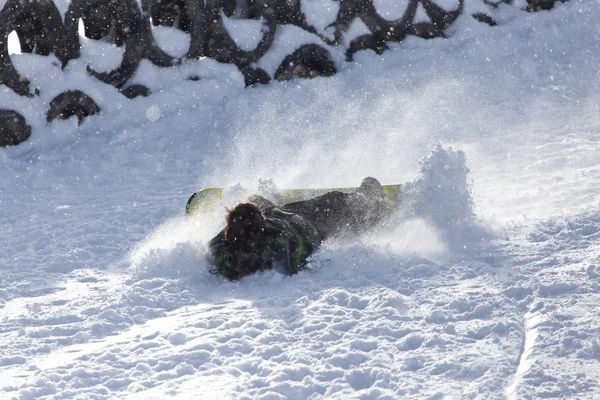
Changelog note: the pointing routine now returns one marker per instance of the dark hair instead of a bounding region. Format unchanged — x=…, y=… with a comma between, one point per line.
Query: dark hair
x=245, y=229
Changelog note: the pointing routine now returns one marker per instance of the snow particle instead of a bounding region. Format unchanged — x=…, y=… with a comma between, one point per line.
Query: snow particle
x=153, y=113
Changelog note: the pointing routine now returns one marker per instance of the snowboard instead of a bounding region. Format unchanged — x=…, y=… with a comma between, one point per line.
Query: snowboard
x=209, y=199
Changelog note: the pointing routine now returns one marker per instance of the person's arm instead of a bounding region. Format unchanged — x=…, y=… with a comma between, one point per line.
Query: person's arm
x=298, y=249
x=221, y=257
x=294, y=244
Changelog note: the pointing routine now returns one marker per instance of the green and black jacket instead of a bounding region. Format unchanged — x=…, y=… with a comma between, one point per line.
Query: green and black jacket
x=290, y=241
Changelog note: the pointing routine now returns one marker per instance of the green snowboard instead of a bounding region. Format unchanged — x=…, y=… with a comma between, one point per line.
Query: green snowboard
x=209, y=199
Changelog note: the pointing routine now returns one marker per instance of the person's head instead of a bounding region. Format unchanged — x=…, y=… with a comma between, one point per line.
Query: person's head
x=245, y=233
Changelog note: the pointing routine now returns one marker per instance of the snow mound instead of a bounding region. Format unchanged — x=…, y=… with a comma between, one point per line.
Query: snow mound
x=175, y=250
x=441, y=196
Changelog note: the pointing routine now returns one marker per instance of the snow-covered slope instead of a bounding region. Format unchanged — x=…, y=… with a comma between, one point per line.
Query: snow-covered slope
x=485, y=285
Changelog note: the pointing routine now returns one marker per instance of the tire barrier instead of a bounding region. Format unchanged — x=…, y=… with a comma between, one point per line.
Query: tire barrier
x=40, y=29
x=485, y=18
x=382, y=30
x=440, y=20
x=308, y=61
x=13, y=128
x=123, y=18
x=254, y=76
x=73, y=102
x=169, y=13
x=134, y=91
x=187, y=15
x=129, y=24
x=541, y=5
x=222, y=47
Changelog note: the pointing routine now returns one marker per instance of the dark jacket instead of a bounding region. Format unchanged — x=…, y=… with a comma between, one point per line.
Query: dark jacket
x=291, y=239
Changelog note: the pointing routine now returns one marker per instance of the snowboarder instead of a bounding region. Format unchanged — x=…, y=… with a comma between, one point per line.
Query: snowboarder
x=259, y=235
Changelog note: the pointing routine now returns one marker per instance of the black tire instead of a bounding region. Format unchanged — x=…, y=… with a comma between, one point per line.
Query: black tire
x=222, y=48
x=169, y=13
x=440, y=20
x=13, y=128
x=187, y=15
x=98, y=24
x=366, y=42
x=289, y=12
x=72, y=102
x=381, y=28
x=496, y=3
x=308, y=61
x=254, y=76
x=40, y=30
x=133, y=91
x=485, y=18
x=540, y=5
x=9, y=76
x=346, y=14
x=127, y=18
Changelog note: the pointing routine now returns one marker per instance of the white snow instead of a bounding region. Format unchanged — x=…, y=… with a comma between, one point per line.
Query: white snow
x=247, y=33
x=171, y=40
x=391, y=10
x=320, y=13
x=485, y=285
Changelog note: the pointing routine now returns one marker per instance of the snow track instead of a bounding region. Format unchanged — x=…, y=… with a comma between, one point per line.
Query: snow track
x=560, y=321
x=530, y=334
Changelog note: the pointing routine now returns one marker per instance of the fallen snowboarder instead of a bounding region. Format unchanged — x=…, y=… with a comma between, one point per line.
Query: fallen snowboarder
x=259, y=236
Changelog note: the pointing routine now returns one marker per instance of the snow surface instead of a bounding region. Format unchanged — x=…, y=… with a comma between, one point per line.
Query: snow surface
x=485, y=285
